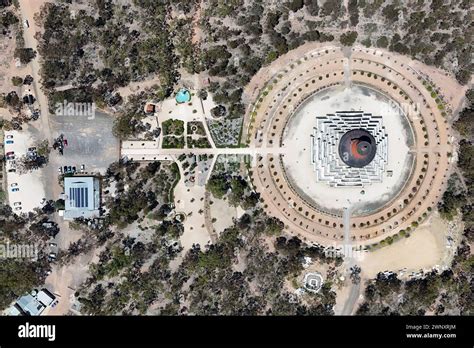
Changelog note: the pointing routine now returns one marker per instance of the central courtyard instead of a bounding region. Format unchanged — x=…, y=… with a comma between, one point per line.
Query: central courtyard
x=322, y=177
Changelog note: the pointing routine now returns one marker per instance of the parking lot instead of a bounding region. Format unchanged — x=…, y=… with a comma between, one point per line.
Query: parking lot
x=25, y=191
x=90, y=146
x=90, y=142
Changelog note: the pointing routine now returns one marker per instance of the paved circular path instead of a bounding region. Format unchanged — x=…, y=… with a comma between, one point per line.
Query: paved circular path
x=325, y=68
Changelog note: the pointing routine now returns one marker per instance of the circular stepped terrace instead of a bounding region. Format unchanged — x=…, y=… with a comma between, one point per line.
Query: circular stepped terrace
x=324, y=69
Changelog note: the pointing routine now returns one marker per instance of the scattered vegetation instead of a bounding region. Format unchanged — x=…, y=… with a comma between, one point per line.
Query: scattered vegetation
x=449, y=292
x=234, y=188
x=130, y=43
x=196, y=128
x=205, y=282
x=172, y=142
x=173, y=127
x=19, y=275
x=140, y=190
x=201, y=142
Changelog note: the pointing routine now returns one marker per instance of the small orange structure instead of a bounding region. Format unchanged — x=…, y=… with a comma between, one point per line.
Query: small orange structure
x=150, y=108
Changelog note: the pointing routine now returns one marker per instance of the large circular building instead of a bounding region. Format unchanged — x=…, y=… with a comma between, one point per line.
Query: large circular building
x=348, y=130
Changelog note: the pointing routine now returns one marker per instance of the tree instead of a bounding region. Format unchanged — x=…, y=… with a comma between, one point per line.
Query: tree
x=202, y=94
x=59, y=204
x=273, y=226
x=348, y=38
x=25, y=55
x=26, y=163
x=312, y=7
x=466, y=161
x=28, y=80
x=470, y=96
x=18, y=278
x=7, y=19
x=17, y=81
x=353, y=9
x=295, y=5
x=218, y=111
x=391, y=12
x=42, y=148
x=218, y=185
x=465, y=123
x=382, y=42
x=250, y=201
x=332, y=8
x=237, y=187
x=13, y=100
x=463, y=76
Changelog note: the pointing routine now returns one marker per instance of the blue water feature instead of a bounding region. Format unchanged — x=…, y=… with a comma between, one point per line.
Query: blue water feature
x=183, y=96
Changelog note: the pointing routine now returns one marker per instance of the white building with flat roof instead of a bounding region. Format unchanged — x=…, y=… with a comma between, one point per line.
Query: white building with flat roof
x=32, y=304
x=81, y=197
